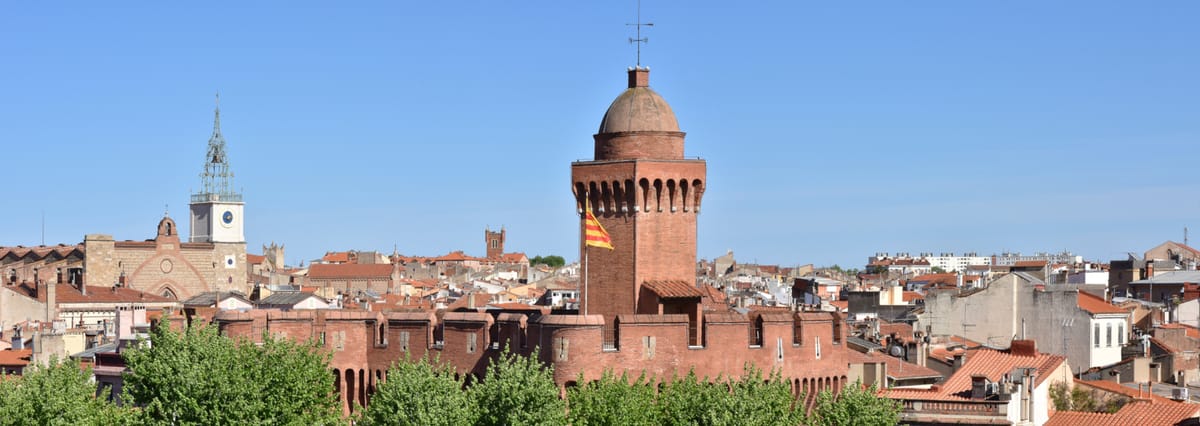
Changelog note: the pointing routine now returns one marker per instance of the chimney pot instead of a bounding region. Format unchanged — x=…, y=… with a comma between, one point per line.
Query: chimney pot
x=639, y=77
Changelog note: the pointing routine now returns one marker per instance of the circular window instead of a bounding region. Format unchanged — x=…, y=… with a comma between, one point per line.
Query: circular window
x=227, y=218
x=166, y=266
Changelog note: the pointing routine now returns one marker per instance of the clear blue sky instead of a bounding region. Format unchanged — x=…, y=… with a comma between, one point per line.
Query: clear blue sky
x=831, y=131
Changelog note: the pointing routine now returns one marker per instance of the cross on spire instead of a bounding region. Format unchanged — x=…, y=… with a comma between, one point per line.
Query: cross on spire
x=639, y=40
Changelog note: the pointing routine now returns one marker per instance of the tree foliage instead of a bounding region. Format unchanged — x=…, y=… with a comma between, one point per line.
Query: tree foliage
x=200, y=377
x=1078, y=399
x=518, y=390
x=58, y=394
x=857, y=406
x=614, y=400
x=551, y=260
x=746, y=400
x=420, y=393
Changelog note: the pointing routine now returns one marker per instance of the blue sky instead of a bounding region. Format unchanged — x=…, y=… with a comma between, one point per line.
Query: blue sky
x=831, y=131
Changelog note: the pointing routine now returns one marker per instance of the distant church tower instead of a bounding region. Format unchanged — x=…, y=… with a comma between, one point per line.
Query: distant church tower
x=647, y=196
x=217, y=214
x=495, y=242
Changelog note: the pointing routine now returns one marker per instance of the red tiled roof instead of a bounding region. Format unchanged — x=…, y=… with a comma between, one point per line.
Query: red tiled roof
x=902, y=331
x=1097, y=305
x=15, y=358
x=40, y=252
x=255, y=259
x=988, y=362
x=840, y=304
x=454, y=256
x=66, y=293
x=900, y=369
x=349, y=270
x=514, y=258
x=909, y=296
x=673, y=289
x=944, y=278
x=1029, y=264
x=1137, y=413
x=336, y=256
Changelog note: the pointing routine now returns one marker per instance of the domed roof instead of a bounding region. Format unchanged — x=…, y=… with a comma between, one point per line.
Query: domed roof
x=639, y=108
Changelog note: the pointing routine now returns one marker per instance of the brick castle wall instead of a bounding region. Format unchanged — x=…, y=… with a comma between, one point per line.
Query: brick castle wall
x=365, y=344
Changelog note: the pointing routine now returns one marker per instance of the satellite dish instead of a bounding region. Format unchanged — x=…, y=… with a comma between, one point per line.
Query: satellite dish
x=896, y=351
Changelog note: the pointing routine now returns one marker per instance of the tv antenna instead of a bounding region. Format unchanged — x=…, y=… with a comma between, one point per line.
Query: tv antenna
x=639, y=41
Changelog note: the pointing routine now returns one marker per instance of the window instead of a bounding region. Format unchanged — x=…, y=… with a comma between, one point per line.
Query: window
x=1121, y=334
x=1096, y=340
x=1109, y=334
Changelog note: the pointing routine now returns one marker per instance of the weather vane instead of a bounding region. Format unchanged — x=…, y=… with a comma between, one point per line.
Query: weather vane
x=639, y=40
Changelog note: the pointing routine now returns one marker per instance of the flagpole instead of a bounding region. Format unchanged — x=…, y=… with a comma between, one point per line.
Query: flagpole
x=585, y=254
x=585, y=280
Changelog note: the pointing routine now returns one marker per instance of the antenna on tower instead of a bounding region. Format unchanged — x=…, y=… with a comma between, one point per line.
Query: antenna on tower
x=639, y=40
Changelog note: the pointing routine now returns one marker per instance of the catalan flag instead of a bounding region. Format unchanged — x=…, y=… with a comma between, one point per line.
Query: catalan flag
x=593, y=233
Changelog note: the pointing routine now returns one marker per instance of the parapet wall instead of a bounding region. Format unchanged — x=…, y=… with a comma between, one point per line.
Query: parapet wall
x=804, y=347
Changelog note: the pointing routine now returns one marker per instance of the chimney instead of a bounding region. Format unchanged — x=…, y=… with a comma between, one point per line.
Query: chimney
x=18, y=342
x=639, y=77
x=51, y=302
x=1023, y=348
x=1149, y=269
x=979, y=386
x=959, y=360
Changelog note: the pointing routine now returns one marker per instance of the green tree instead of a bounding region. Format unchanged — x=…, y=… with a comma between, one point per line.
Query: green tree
x=420, y=393
x=754, y=401
x=688, y=400
x=857, y=406
x=552, y=261
x=937, y=270
x=518, y=390
x=613, y=400
x=60, y=393
x=200, y=377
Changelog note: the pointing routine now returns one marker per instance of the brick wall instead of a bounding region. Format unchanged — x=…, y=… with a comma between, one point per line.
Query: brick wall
x=572, y=344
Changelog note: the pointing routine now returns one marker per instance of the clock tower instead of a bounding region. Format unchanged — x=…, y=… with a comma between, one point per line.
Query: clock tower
x=216, y=214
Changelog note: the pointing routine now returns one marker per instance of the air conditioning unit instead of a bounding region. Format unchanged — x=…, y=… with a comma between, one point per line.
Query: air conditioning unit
x=1179, y=394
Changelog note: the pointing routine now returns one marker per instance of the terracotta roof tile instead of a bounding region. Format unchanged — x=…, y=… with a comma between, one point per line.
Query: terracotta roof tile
x=1137, y=413
x=673, y=289
x=1096, y=305
x=988, y=362
x=349, y=270
x=15, y=358
x=336, y=256
x=255, y=259
x=66, y=293
x=1030, y=264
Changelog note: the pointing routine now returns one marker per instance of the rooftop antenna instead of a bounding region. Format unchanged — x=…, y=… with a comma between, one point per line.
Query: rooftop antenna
x=639, y=40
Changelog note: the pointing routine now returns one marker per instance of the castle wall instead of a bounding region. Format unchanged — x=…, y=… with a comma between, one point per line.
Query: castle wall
x=572, y=344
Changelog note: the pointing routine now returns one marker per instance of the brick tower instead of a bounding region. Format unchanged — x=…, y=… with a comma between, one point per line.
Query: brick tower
x=647, y=196
x=495, y=242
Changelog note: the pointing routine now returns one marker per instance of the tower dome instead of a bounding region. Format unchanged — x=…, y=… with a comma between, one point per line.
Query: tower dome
x=639, y=124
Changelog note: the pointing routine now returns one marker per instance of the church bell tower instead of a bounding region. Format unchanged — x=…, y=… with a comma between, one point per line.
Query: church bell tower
x=216, y=213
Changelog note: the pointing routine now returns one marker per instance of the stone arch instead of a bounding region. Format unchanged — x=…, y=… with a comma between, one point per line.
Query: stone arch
x=593, y=195
x=351, y=388
x=683, y=194
x=580, y=192
x=697, y=194
x=168, y=289
x=658, y=189
x=630, y=197
x=618, y=198
x=672, y=192
x=643, y=201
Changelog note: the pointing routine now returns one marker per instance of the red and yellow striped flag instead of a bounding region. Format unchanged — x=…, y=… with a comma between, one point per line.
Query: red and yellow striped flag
x=593, y=233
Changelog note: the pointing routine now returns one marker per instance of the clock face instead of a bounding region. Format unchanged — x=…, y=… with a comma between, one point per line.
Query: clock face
x=227, y=218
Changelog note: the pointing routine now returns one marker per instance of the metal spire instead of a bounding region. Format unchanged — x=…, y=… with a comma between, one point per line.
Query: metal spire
x=216, y=180
x=639, y=40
